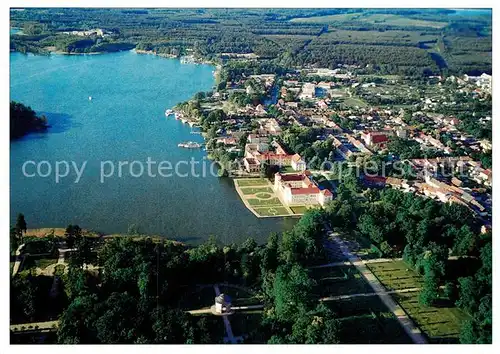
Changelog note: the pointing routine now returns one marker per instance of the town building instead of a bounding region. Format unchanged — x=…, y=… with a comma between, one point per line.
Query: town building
x=375, y=139
x=308, y=91
x=297, y=163
x=251, y=165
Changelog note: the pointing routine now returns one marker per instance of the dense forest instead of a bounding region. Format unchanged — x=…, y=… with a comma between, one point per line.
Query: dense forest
x=411, y=42
x=24, y=120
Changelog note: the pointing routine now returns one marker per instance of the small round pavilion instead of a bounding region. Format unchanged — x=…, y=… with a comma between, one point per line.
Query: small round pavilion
x=223, y=304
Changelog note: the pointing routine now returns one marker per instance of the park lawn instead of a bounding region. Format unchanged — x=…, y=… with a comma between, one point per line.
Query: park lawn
x=299, y=209
x=59, y=270
x=396, y=275
x=357, y=306
x=367, y=320
x=249, y=182
x=353, y=102
x=287, y=169
x=255, y=190
x=372, y=329
x=339, y=280
x=440, y=324
x=324, y=272
x=264, y=202
x=271, y=211
x=44, y=262
x=32, y=262
x=264, y=195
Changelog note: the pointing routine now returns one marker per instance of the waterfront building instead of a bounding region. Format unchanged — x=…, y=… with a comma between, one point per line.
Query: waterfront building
x=300, y=189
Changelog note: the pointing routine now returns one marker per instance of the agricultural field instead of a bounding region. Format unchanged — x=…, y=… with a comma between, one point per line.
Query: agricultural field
x=290, y=41
x=404, y=38
x=385, y=19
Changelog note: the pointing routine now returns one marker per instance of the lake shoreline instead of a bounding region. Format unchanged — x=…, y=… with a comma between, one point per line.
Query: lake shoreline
x=43, y=232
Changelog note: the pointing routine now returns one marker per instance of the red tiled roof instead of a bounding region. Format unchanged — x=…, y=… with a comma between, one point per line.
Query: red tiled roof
x=375, y=179
x=269, y=156
x=292, y=177
x=326, y=192
x=379, y=138
x=309, y=190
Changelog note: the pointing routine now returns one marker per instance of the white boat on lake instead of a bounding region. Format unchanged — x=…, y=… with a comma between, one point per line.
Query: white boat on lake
x=190, y=145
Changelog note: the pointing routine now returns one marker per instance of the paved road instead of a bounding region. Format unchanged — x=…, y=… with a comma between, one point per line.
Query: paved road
x=367, y=261
x=19, y=260
x=410, y=328
x=240, y=308
x=49, y=325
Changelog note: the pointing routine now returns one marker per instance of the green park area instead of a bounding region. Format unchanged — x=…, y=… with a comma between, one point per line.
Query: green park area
x=264, y=201
x=256, y=190
x=272, y=211
x=299, y=209
x=366, y=320
x=354, y=102
x=339, y=280
x=396, y=275
x=363, y=316
x=247, y=182
x=440, y=323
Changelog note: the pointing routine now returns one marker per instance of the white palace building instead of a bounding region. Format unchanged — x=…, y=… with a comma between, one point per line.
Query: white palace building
x=299, y=188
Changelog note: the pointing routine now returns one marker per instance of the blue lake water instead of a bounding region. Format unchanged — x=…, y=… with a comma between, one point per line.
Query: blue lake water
x=124, y=121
